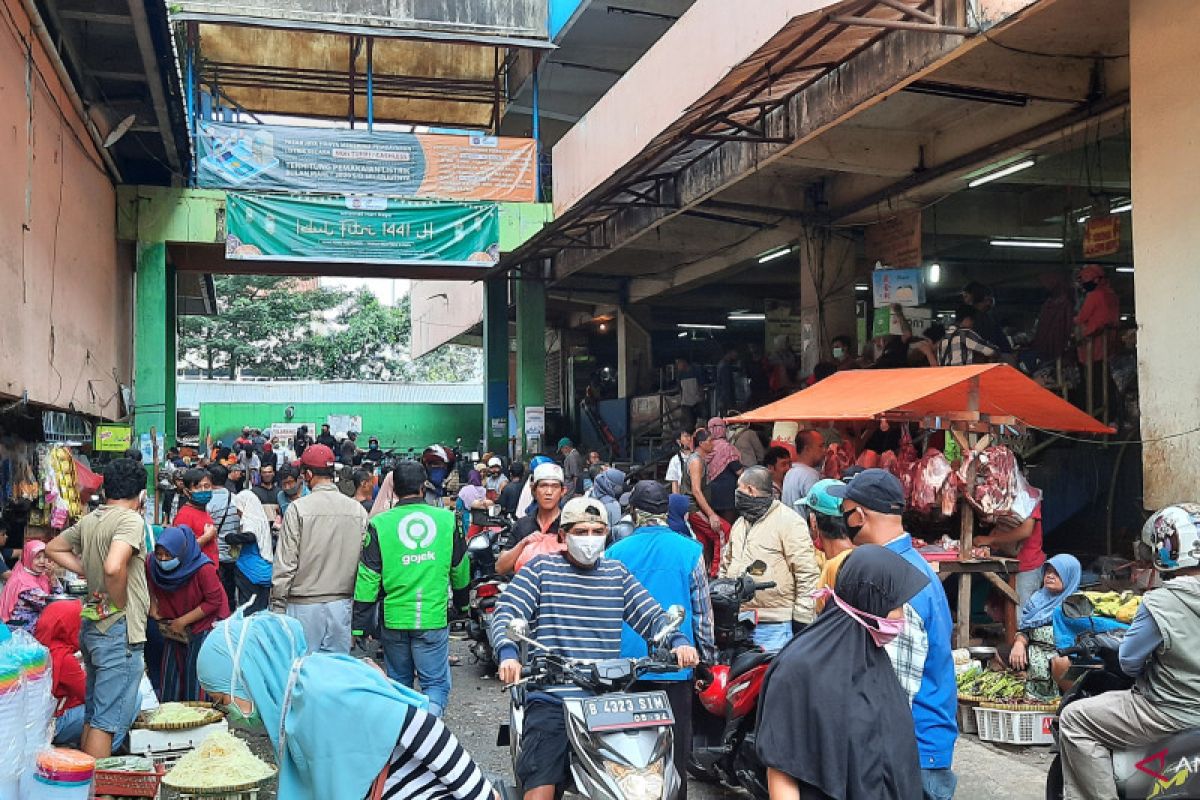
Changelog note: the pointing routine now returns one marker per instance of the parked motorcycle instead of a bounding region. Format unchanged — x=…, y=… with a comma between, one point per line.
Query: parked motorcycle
x=727, y=692
x=1164, y=770
x=621, y=741
x=486, y=586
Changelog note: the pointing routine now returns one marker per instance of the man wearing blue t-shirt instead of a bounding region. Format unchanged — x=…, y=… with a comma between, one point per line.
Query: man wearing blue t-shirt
x=872, y=503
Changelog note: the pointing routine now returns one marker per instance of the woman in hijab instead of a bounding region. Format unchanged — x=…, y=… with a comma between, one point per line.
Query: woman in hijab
x=28, y=588
x=723, y=467
x=58, y=631
x=252, y=579
x=1034, y=649
x=312, y=706
x=677, y=511
x=187, y=599
x=848, y=737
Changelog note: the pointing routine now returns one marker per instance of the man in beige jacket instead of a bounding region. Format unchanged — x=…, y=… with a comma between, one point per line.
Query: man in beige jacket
x=316, y=560
x=774, y=534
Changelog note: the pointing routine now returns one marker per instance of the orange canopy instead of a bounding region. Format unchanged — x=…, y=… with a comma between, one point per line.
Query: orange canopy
x=920, y=393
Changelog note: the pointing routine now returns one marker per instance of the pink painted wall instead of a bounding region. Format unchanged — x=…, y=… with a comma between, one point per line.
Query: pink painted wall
x=66, y=288
x=699, y=49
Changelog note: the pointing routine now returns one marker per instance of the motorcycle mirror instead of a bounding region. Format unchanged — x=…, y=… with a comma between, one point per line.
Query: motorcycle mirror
x=478, y=544
x=493, y=511
x=517, y=629
x=758, y=568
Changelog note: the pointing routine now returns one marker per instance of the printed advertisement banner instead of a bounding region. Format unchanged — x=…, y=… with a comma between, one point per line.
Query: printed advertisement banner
x=426, y=165
x=903, y=286
x=361, y=230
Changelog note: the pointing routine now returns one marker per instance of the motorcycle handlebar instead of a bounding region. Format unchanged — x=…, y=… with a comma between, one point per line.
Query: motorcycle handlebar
x=758, y=587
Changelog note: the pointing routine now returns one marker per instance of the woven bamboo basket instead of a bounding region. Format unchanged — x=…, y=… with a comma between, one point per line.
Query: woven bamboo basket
x=212, y=716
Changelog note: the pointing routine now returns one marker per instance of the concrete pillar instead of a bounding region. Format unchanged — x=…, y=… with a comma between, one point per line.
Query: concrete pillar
x=495, y=363
x=827, y=267
x=154, y=346
x=531, y=357
x=634, y=355
x=1165, y=128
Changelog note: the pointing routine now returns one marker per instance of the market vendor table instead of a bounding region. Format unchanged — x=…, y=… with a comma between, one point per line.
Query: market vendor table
x=991, y=569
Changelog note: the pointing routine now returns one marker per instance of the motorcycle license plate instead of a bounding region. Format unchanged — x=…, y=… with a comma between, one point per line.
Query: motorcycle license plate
x=627, y=711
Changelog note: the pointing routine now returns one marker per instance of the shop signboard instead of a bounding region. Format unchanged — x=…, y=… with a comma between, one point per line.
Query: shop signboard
x=1102, y=237
x=358, y=229
x=149, y=446
x=885, y=323
x=112, y=438
x=282, y=158
x=895, y=241
x=903, y=286
x=286, y=431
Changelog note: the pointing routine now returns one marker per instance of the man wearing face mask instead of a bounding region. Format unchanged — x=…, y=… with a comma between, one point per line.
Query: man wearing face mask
x=1097, y=321
x=770, y=532
x=290, y=488
x=108, y=548
x=872, y=505
x=574, y=603
x=316, y=560
x=843, y=353
x=198, y=491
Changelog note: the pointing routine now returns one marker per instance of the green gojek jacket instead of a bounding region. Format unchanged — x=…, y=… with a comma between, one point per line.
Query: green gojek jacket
x=412, y=557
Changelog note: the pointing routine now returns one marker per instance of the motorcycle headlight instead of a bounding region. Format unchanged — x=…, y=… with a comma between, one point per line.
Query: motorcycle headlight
x=638, y=784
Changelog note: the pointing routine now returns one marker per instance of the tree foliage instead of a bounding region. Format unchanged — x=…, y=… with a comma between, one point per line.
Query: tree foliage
x=272, y=328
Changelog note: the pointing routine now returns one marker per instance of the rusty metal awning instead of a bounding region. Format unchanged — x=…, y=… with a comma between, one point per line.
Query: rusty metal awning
x=420, y=62
x=742, y=108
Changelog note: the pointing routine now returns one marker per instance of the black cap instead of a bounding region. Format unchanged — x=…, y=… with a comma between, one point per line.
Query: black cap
x=875, y=490
x=649, y=496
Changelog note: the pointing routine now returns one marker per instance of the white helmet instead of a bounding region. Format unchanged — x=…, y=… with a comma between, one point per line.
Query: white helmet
x=1173, y=536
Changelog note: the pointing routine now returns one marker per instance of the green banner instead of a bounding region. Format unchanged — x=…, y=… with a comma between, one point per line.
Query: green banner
x=361, y=229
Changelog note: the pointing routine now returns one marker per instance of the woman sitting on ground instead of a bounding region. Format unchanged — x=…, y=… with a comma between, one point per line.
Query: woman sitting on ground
x=1034, y=649
x=28, y=588
x=312, y=706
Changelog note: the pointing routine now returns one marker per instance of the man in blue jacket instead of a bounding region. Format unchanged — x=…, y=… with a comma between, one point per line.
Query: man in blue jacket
x=671, y=567
x=872, y=503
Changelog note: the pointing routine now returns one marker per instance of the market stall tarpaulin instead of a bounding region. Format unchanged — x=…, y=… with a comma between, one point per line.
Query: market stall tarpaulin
x=1005, y=396
x=361, y=229
x=284, y=158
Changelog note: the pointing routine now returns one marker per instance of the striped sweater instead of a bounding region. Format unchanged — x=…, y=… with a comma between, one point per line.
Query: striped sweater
x=576, y=612
x=430, y=764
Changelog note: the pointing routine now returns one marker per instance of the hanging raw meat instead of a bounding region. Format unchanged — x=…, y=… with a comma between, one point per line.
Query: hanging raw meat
x=838, y=458
x=1000, y=492
x=929, y=477
x=906, y=461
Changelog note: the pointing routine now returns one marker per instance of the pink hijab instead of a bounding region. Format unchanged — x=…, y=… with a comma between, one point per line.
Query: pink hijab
x=22, y=579
x=723, y=453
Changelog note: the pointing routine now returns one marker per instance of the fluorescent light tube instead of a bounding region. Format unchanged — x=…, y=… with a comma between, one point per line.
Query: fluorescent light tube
x=700, y=326
x=771, y=256
x=1043, y=244
x=1003, y=172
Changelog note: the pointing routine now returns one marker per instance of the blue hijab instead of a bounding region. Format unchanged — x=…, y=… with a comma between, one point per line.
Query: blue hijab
x=677, y=509
x=1039, y=609
x=181, y=543
x=344, y=718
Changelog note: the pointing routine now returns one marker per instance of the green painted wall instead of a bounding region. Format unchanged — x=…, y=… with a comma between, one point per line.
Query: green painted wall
x=397, y=425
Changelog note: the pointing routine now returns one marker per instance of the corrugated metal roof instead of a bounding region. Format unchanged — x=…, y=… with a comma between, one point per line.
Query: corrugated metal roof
x=190, y=394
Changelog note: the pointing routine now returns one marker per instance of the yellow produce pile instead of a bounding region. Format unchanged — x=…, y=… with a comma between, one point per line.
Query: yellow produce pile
x=220, y=760
x=1121, y=606
x=174, y=713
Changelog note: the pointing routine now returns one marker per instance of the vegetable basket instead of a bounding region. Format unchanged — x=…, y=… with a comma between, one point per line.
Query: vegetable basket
x=212, y=715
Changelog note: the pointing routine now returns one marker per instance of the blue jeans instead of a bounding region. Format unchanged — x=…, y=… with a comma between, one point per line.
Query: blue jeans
x=68, y=729
x=114, y=672
x=772, y=636
x=938, y=784
x=423, y=655
x=1028, y=582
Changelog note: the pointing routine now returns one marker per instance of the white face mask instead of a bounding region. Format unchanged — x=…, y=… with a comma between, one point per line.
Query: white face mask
x=838, y=352
x=585, y=549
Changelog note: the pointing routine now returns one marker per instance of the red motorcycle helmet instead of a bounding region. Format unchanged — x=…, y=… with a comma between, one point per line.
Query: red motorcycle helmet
x=712, y=696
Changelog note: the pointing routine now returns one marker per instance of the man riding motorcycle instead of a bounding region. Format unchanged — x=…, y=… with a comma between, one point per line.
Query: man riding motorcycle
x=574, y=603
x=1161, y=651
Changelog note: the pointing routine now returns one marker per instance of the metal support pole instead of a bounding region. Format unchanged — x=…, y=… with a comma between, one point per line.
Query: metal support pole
x=353, y=53
x=537, y=140
x=190, y=74
x=370, y=84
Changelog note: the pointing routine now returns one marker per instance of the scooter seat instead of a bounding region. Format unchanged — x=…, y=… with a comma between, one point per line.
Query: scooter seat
x=748, y=661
